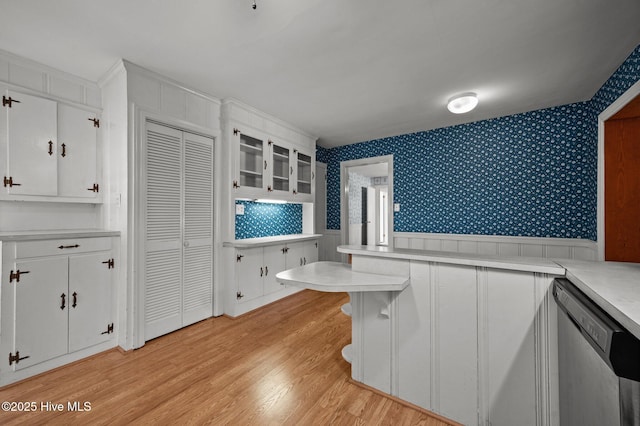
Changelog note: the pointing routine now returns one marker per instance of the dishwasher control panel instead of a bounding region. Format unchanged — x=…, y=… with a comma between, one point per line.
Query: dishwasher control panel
x=589, y=324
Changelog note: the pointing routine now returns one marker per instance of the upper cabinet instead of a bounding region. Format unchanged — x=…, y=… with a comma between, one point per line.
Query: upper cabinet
x=305, y=175
x=50, y=150
x=268, y=158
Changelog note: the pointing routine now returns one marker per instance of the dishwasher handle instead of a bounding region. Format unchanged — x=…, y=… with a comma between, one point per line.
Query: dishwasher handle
x=614, y=344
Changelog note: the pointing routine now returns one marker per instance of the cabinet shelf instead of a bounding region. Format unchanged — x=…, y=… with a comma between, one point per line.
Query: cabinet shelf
x=304, y=182
x=282, y=156
x=250, y=172
x=285, y=178
x=250, y=148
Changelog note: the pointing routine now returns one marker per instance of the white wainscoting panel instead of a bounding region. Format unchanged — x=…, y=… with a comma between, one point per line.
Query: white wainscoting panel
x=559, y=248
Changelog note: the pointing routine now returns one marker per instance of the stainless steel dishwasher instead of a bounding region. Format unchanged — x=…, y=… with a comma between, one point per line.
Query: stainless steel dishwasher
x=598, y=361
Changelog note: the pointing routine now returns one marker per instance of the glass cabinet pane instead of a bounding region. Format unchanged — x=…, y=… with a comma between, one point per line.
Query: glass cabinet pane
x=281, y=168
x=252, y=163
x=304, y=173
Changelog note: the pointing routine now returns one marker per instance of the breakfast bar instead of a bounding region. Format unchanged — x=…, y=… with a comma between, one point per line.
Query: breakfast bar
x=470, y=337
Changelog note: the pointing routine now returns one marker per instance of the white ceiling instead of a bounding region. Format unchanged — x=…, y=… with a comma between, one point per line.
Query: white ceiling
x=344, y=70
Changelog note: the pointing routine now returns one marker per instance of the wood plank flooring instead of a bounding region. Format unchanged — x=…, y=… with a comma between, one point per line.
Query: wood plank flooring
x=279, y=365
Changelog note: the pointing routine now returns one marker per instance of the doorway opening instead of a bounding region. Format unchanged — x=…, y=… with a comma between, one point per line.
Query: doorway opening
x=619, y=179
x=622, y=184
x=366, y=201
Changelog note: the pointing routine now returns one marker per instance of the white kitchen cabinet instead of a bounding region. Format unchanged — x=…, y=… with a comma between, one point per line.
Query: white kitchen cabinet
x=302, y=253
x=77, y=153
x=255, y=265
x=249, y=273
x=31, y=144
x=251, y=161
x=281, y=170
x=51, y=150
x=269, y=159
x=90, y=320
x=178, y=229
x=56, y=299
x=274, y=261
x=256, y=269
x=304, y=176
x=41, y=321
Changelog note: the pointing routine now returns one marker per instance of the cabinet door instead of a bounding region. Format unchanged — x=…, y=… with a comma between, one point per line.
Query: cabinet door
x=295, y=255
x=304, y=175
x=274, y=261
x=77, y=155
x=311, y=252
x=31, y=137
x=41, y=310
x=252, y=160
x=89, y=300
x=281, y=175
x=249, y=274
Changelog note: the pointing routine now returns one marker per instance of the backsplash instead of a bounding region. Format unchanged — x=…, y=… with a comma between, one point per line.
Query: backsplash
x=268, y=220
x=532, y=174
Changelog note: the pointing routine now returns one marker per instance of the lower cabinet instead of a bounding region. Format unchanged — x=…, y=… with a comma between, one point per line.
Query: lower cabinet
x=56, y=299
x=254, y=275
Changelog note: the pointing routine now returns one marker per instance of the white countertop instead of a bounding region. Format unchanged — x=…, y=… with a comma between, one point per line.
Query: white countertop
x=268, y=241
x=527, y=264
x=338, y=277
x=57, y=234
x=614, y=286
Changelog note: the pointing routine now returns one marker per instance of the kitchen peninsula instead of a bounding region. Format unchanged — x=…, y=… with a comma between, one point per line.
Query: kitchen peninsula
x=472, y=337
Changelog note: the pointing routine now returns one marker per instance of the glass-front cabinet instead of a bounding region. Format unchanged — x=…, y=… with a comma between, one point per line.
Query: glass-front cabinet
x=271, y=168
x=253, y=163
x=305, y=174
x=282, y=169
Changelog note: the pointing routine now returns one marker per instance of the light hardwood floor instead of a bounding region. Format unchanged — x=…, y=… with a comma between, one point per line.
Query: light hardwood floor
x=278, y=365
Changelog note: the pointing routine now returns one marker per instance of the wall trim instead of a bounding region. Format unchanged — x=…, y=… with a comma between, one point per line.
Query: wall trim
x=499, y=238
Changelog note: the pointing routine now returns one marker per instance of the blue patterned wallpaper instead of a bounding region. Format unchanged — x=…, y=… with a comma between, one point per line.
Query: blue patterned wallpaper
x=267, y=220
x=531, y=174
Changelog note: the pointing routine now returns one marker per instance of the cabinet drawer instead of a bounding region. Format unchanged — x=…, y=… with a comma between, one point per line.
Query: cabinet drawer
x=65, y=246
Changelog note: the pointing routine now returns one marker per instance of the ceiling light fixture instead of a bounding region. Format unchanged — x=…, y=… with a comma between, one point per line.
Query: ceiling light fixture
x=462, y=103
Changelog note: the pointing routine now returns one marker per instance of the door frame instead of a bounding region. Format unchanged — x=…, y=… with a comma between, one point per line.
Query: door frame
x=610, y=111
x=344, y=200
x=134, y=315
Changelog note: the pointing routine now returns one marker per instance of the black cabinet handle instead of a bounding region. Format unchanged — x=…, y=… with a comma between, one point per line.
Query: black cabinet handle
x=75, y=300
x=63, y=297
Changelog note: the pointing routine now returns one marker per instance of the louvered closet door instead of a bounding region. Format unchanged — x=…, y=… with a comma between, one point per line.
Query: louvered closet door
x=179, y=230
x=197, y=302
x=163, y=245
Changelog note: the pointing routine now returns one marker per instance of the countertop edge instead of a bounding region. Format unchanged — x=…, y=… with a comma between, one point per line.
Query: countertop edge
x=342, y=279
x=268, y=241
x=54, y=235
x=527, y=264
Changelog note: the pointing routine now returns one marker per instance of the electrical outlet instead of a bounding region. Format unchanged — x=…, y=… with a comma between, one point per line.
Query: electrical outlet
x=396, y=207
x=239, y=209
